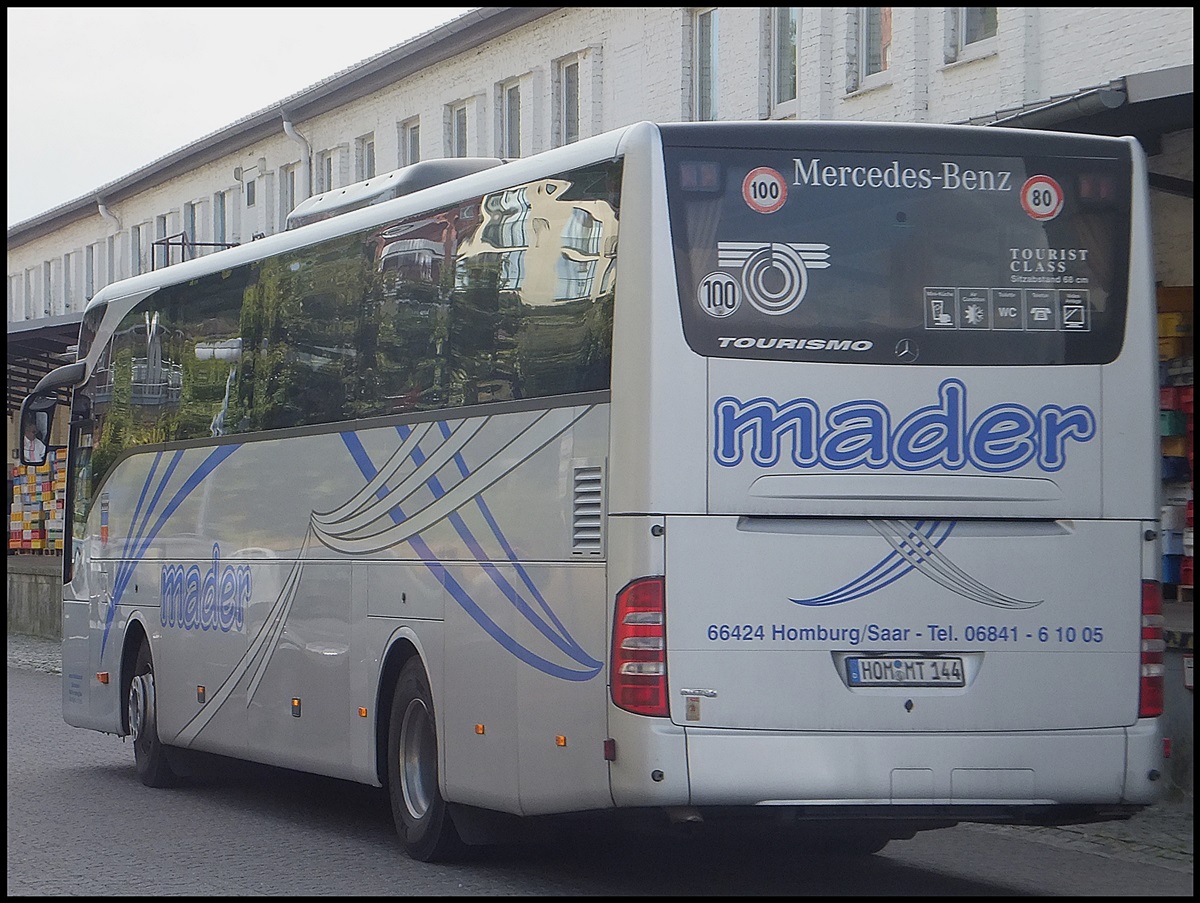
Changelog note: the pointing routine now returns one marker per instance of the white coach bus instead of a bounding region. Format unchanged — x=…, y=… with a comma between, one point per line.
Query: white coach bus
x=824, y=500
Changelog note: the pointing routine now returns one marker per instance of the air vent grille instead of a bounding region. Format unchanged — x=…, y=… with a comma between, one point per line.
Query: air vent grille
x=587, y=510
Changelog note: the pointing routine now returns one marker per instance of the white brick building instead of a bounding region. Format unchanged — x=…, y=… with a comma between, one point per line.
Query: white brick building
x=510, y=81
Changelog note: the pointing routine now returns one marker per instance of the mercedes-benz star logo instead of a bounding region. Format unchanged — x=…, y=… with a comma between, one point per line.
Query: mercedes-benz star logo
x=907, y=351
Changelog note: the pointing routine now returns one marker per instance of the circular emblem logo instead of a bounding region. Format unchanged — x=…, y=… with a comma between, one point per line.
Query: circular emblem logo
x=775, y=278
x=907, y=351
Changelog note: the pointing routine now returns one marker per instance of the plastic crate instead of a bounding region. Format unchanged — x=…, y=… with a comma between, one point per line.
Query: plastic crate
x=1170, y=346
x=1175, y=446
x=1172, y=568
x=1172, y=542
x=1172, y=423
x=1185, y=399
x=1175, y=467
x=1185, y=570
x=1168, y=398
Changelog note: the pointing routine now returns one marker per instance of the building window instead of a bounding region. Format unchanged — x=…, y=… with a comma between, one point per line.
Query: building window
x=219, y=218
x=458, y=130
x=137, y=240
x=784, y=60
x=287, y=191
x=110, y=260
x=410, y=142
x=162, y=250
x=189, y=231
x=47, y=288
x=510, y=120
x=89, y=272
x=970, y=33
x=705, y=69
x=977, y=23
x=874, y=40
x=29, y=294
x=251, y=192
x=68, y=281
x=364, y=158
x=324, y=171
x=566, y=101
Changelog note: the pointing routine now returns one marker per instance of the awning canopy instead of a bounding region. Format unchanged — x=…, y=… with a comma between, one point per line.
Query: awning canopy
x=35, y=347
x=1147, y=105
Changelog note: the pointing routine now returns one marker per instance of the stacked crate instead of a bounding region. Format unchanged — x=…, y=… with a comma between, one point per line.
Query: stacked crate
x=1176, y=426
x=39, y=504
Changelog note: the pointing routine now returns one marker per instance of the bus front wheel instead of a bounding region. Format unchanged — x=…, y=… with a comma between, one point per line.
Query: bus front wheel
x=149, y=752
x=422, y=819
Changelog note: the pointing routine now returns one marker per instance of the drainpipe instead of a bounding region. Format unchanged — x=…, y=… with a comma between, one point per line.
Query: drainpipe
x=104, y=212
x=304, y=186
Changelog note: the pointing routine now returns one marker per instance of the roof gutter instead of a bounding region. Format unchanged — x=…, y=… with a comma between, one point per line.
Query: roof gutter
x=109, y=217
x=1087, y=103
x=304, y=188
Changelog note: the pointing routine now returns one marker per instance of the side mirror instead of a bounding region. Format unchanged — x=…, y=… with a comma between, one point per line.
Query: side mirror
x=37, y=416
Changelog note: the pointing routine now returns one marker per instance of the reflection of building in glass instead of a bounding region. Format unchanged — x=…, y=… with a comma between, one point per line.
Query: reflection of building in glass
x=412, y=260
x=154, y=380
x=550, y=246
x=506, y=216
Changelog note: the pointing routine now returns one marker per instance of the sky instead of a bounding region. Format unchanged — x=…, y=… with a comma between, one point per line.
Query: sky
x=94, y=94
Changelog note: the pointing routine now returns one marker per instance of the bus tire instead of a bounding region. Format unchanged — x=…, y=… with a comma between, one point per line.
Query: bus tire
x=422, y=818
x=149, y=752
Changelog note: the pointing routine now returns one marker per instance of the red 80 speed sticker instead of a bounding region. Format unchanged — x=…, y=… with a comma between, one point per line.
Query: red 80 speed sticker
x=1041, y=198
x=764, y=189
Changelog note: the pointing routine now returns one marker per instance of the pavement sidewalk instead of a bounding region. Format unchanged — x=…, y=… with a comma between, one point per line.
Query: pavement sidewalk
x=1160, y=836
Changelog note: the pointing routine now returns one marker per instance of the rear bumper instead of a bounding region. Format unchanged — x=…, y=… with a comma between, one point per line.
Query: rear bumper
x=952, y=772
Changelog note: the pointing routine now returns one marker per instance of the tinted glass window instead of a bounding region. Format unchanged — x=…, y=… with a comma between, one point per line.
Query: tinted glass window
x=502, y=297
x=843, y=255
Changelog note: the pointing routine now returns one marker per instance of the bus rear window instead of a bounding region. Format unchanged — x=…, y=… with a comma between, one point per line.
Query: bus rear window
x=900, y=257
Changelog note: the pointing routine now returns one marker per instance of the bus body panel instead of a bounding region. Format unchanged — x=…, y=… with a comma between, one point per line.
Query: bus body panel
x=260, y=605
x=1047, y=636
x=80, y=691
x=658, y=446
x=523, y=733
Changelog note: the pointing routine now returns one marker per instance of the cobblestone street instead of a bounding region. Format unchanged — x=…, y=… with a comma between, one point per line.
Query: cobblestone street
x=1162, y=835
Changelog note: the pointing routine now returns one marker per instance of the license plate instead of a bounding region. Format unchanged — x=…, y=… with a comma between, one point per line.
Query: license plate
x=893, y=671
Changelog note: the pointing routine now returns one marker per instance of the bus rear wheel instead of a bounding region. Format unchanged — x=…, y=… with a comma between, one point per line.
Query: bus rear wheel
x=149, y=752
x=423, y=821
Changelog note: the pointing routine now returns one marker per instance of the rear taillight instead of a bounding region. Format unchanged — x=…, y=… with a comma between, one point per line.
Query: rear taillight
x=639, y=648
x=1150, y=688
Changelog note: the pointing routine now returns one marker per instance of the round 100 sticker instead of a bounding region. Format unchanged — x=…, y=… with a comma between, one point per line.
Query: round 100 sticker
x=1041, y=198
x=718, y=294
x=764, y=189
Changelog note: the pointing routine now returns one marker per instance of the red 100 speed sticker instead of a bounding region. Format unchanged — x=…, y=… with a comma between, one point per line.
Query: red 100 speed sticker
x=764, y=189
x=1041, y=198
